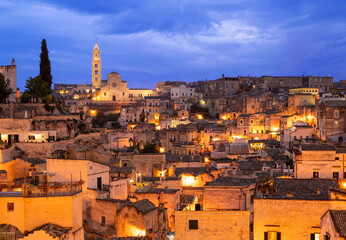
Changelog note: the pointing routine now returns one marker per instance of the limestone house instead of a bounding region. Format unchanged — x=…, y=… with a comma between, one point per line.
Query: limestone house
x=320, y=161
x=20, y=130
x=200, y=225
x=333, y=225
x=29, y=206
x=226, y=193
x=141, y=218
x=299, y=130
x=331, y=117
x=292, y=208
x=182, y=161
x=170, y=198
x=94, y=175
x=194, y=177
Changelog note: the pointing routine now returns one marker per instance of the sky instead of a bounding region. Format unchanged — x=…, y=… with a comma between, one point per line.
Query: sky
x=148, y=41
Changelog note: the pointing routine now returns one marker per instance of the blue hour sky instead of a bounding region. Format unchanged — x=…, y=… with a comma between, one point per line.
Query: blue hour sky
x=147, y=41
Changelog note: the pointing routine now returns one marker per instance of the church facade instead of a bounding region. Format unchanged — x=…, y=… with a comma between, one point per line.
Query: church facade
x=113, y=89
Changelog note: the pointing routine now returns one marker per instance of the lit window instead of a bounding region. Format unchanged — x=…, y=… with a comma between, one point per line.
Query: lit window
x=272, y=236
x=315, y=236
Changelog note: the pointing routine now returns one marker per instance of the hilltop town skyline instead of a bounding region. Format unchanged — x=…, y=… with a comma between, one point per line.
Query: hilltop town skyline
x=205, y=40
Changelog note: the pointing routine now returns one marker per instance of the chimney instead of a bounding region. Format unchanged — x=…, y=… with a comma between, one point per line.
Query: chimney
x=13, y=62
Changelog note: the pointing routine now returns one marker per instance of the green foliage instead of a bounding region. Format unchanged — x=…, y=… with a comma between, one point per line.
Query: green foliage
x=45, y=70
x=100, y=120
x=116, y=125
x=149, y=148
x=198, y=109
x=35, y=88
x=244, y=88
x=112, y=117
x=5, y=90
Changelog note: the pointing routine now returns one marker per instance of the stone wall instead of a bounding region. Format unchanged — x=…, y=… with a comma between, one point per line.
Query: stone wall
x=216, y=225
x=295, y=219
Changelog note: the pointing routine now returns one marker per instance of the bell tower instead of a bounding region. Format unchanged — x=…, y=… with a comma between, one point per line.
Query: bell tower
x=96, y=67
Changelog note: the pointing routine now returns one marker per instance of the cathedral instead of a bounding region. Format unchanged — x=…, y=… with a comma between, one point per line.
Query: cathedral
x=113, y=89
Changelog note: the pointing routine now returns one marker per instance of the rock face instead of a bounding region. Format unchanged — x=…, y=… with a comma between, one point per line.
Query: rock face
x=65, y=129
x=31, y=109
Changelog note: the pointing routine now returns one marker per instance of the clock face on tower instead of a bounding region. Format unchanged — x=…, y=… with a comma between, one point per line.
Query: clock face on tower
x=114, y=85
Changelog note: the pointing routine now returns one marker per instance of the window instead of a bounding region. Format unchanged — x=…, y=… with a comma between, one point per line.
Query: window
x=103, y=220
x=10, y=207
x=344, y=175
x=104, y=94
x=336, y=175
x=96, y=72
x=327, y=236
x=96, y=65
x=31, y=137
x=336, y=114
x=193, y=224
x=315, y=236
x=316, y=174
x=336, y=158
x=96, y=79
x=272, y=236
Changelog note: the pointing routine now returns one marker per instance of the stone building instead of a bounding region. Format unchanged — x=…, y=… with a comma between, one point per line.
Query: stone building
x=140, y=218
x=331, y=120
x=96, y=74
x=292, y=208
x=333, y=225
x=218, y=225
x=324, y=84
x=320, y=161
x=170, y=198
x=10, y=72
x=226, y=193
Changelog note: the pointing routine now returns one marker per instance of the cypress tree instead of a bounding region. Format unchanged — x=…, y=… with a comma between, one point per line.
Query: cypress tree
x=45, y=70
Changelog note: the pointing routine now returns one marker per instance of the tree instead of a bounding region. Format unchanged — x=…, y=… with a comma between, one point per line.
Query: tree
x=35, y=88
x=45, y=70
x=100, y=120
x=5, y=90
x=149, y=148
